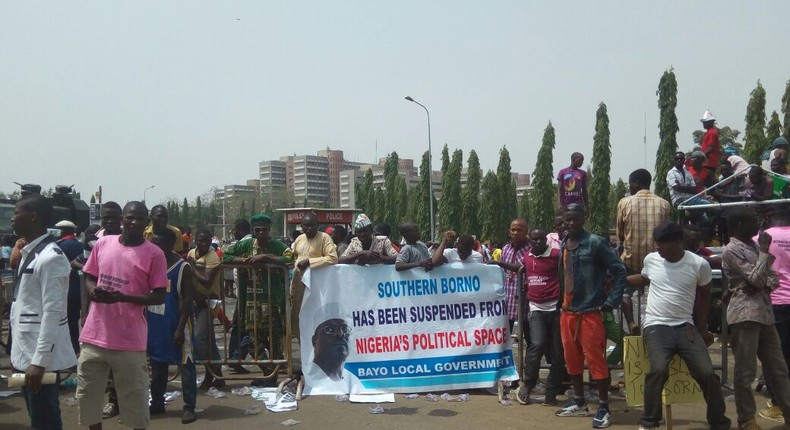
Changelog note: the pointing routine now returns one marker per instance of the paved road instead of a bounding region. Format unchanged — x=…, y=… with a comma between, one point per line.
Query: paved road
x=481, y=411
x=323, y=412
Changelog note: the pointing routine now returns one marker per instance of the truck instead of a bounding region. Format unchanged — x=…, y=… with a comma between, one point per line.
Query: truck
x=65, y=207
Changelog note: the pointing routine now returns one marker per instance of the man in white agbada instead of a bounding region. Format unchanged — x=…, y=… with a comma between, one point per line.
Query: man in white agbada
x=325, y=374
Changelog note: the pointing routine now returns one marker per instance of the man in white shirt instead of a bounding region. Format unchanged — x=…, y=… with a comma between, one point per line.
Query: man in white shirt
x=41, y=341
x=462, y=253
x=679, y=283
x=681, y=184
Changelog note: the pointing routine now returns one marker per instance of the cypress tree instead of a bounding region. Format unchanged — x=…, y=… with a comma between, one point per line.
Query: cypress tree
x=667, y=131
x=489, y=206
x=509, y=209
x=754, y=137
x=419, y=201
x=391, y=211
x=199, y=221
x=523, y=207
x=450, y=203
x=618, y=192
x=786, y=110
x=471, y=196
x=542, y=200
x=185, y=215
x=599, y=184
x=773, y=129
x=445, y=159
x=366, y=194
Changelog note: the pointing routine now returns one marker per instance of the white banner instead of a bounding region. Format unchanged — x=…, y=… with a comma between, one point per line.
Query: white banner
x=367, y=329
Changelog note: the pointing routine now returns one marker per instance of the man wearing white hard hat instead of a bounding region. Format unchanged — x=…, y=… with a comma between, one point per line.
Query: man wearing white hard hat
x=710, y=142
x=72, y=248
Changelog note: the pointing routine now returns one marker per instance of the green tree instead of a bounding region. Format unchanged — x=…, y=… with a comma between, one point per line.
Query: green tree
x=174, y=215
x=509, y=210
x=773, y=129
x=365, y=196
x=199, y=221
x=471, y=195
x=419, y=200
x=786, y=110
x=667, y=131
x=754, y=136
x=617, y=193
x=254, y=206
x=402, y=200
x=243, y=210
x=211, y=213
x=523, y=206
x=445, y=159
x=391, y=212
x=185, y=214
x=600, y=184
x=490, y=204
x=542, y=199
x=93, y=198
x=450, y=205
x=380, y=202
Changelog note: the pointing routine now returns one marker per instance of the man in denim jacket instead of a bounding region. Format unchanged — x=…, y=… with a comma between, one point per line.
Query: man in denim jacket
x=584, y=262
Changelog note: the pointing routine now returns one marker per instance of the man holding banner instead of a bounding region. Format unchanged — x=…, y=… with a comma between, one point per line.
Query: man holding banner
x=679, y=283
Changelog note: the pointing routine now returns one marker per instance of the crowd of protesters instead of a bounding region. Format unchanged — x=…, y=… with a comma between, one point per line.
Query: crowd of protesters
x=137, y=293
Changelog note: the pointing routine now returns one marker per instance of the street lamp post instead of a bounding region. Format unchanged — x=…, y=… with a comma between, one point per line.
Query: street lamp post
x=430, y=166
x=146, y=190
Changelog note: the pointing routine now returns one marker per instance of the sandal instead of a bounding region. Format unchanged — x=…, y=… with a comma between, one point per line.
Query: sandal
x=110, y=410
x=522, y=394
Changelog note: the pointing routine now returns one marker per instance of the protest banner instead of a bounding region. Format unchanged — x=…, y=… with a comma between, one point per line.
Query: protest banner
x=367, y=329
x=680, y=387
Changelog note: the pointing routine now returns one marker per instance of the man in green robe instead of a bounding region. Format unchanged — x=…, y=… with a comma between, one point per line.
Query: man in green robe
x=254, y=305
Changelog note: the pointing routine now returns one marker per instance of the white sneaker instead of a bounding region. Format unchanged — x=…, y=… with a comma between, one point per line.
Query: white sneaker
x=573, y=410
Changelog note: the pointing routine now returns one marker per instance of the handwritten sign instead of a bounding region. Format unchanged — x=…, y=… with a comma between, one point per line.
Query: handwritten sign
x=680, y=387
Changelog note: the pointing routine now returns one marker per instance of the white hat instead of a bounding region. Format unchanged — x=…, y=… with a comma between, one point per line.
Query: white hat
x=707, y=116
x=329, y=311
x=65, y=224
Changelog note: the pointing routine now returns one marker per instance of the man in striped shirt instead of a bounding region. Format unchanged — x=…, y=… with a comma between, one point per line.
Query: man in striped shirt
x=513, y=253
x=637, y=216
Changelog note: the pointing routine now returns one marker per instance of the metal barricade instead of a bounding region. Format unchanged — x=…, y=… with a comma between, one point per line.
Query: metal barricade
x=267, y=327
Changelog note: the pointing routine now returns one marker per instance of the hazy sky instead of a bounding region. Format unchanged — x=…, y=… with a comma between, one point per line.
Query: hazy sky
x=193, y=94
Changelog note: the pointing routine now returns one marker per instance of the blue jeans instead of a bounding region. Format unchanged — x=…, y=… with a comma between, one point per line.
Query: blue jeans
x=544, y=334
x=43, y=407
x=662, y=343
x=159, y=384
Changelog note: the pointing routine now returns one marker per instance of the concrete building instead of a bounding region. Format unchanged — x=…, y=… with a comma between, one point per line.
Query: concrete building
x=231, y=191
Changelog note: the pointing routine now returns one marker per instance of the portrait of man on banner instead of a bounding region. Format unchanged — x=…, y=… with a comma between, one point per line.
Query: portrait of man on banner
x=329, y=352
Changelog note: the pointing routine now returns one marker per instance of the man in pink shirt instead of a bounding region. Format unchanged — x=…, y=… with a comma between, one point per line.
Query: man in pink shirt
x=123, y=275
x=780, y=298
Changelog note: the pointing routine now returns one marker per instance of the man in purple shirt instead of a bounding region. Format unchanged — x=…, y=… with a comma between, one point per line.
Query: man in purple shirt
x=572, y=183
